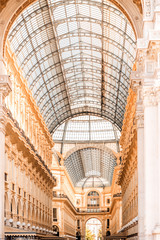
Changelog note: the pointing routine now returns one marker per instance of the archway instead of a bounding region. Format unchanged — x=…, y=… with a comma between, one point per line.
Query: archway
x=93, y=229
x=55, y=230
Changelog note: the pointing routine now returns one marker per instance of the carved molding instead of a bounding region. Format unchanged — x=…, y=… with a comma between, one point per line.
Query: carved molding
x=5, y=87
x=140, y=120
x=157, y=91
x=148, y=9
x=139, y=5
x=3, y=4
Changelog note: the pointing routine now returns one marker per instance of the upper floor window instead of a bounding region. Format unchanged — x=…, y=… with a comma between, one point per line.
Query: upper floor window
x=93, y=200
x=54, y=214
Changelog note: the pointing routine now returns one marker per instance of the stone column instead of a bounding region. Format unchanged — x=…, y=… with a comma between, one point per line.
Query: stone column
x=137, y=87
x=103, y=228
x=83, y=231
x=140, y=163
x=5, y=88
x=156, y=230
x=151, y=160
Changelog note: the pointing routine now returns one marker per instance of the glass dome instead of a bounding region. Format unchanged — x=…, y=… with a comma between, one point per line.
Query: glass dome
x=86, y=128
x=95, y=167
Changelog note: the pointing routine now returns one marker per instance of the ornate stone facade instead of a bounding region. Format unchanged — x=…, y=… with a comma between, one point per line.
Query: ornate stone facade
x=128, y=176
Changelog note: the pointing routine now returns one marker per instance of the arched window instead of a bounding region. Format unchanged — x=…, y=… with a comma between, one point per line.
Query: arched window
x=55, y=230
x=78, y=235
x=93, y=200
x=108, y=233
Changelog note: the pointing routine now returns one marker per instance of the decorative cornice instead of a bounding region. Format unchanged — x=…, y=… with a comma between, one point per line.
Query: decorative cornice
x=128, y=141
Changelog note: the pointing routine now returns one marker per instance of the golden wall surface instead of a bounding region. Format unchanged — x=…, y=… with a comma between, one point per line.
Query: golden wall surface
x=28, y=147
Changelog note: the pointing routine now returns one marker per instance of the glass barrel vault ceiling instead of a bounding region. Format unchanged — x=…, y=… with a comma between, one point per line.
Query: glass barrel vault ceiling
x=76, y=56
x=86, y=128
x=93, y=164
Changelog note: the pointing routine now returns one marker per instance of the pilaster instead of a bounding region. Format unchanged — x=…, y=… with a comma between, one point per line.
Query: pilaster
x=137, y=86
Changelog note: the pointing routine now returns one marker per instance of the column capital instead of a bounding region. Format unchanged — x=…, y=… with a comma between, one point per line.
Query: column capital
x=157, y=93
x=149, y=96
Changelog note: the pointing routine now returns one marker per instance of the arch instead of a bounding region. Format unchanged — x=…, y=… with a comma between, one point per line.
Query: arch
x=94, y=227
x=92, y=216
x=37, y=214
x=33, y=212
x=93, y=177
x=13, y=206
x=19, y=208
x=111, y=105
x=29, y=211
x=78, y=235
x=82, y=146
x=91, y=193
x=84, y=113
x=108, y=233
x=40, y=215
x=24, y=210
x=6, y=202
x=55, y=230
x=43, y=216
x=92, y=189
x=12, y=10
